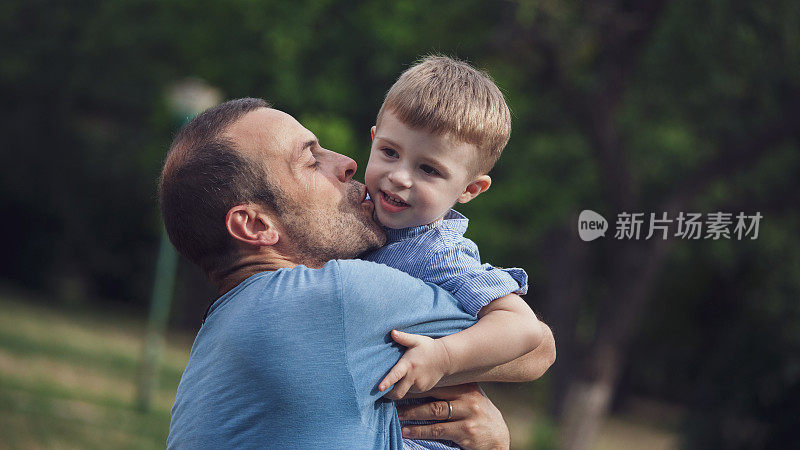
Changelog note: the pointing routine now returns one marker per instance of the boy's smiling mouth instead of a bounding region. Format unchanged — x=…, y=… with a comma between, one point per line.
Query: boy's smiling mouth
x=391, y=203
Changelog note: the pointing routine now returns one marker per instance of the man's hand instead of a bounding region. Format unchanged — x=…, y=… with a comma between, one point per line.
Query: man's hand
x=423, y=364
x=475, y=422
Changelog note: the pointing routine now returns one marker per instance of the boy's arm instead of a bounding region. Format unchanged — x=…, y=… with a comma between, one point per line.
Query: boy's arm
x=528, y=367
x=507, y=330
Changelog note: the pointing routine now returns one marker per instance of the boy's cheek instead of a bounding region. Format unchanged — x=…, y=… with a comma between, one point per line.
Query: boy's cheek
x=370, y=178
x=368, y=181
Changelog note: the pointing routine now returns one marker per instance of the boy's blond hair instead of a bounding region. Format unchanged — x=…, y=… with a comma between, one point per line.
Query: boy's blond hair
x=446, y=96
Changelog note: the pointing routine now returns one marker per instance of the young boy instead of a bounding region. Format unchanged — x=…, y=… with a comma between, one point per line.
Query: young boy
x=440, y=130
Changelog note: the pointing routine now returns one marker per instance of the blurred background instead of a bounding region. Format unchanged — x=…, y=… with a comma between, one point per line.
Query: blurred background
x=618, y=106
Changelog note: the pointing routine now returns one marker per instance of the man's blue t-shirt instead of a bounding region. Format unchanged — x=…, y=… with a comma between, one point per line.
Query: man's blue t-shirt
x=293, y=358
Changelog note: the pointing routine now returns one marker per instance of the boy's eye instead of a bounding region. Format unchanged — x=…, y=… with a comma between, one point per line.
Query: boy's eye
x=389, y=152
x=429, y=170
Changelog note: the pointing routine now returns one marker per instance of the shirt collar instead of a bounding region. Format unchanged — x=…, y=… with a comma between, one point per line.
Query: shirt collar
x=453, y=221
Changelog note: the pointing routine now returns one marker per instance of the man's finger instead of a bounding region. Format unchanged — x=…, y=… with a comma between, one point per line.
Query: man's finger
x=435, y=410
x=392, y=395
x=398, y=371
x=443, y=430
x=448, y=392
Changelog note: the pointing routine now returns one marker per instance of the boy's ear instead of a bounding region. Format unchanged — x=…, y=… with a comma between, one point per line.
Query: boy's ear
x=473, y=189
x=249, y=224
x=372, y=132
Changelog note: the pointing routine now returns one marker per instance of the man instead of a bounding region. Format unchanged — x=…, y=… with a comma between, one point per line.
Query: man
x=291, y=353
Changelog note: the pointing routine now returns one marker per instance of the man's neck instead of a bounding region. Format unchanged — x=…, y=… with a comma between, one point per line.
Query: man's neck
x=241, y=272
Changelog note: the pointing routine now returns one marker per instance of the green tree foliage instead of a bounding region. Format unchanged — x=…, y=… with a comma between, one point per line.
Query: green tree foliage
x=637, y=106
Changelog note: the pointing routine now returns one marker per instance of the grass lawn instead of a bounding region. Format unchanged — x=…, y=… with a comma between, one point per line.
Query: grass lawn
x=67, y=380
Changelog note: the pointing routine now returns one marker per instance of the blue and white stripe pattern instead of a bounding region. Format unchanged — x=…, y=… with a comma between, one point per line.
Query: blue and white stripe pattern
x=439, y=253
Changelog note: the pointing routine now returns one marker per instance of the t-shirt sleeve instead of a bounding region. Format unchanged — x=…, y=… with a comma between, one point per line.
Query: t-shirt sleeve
x=391, y=298
x=377, y=299
x=457, y=268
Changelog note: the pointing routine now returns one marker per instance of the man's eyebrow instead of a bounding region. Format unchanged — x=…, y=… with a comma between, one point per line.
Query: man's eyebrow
x=307, y=144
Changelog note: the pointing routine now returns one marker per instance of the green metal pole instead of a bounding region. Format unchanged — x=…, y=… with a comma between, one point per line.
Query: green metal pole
x=163, y=287
x=186, y=98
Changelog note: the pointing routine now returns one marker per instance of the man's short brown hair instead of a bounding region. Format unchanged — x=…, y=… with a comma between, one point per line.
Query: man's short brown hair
x=446, y=96
x=204, y=176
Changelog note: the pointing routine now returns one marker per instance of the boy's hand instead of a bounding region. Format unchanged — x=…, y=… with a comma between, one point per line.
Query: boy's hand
x=423, y=364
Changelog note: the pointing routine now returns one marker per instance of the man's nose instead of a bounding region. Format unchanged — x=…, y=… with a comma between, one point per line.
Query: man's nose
x=345, y=168
x=400, y=177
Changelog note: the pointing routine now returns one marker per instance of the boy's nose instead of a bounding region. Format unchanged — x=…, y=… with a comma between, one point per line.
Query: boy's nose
x=400, y=177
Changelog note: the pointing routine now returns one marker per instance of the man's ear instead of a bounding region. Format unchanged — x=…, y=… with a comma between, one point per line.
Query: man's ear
x=250, y=225
x=473, y=189
x=372, y=132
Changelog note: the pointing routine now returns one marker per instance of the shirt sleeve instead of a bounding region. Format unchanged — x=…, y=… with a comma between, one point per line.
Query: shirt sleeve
x=457, y=268
x=377, y=299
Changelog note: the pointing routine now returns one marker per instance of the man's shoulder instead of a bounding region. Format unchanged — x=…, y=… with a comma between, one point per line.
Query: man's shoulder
x=353, y=264
x=368, y=270
x=367, y=279
x=345, y=271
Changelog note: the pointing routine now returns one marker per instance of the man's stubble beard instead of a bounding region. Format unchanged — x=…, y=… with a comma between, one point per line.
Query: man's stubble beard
x=319, y=236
